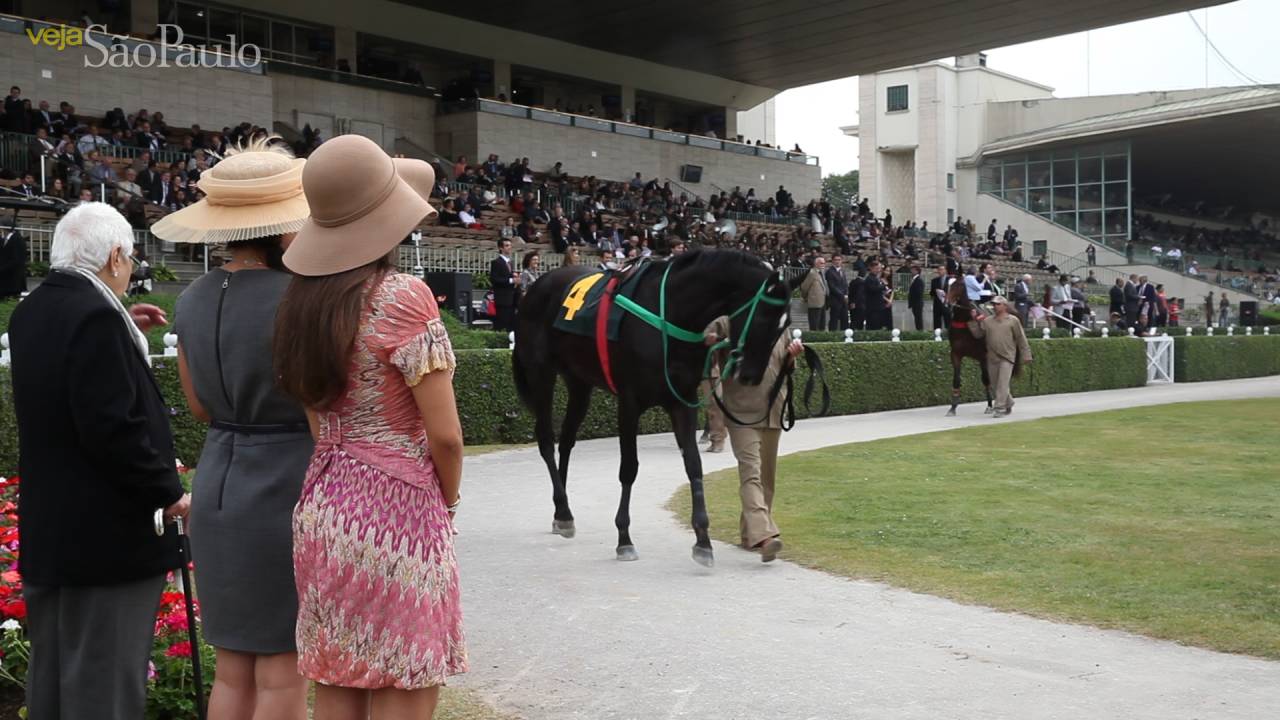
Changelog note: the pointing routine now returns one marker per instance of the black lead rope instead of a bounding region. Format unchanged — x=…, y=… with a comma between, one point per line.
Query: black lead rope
x=816, y=372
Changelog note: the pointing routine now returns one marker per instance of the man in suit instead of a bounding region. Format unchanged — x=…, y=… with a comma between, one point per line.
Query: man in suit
x=28, y=188
x=1150, y=303
x=915, y=297
x=837, y=295
x=504, y=281
x=814, y=291
x=1132, y=301
x=41, y=146
x=857, y=308
x=938, y=291
x=1022, y=298
x=15, y=115
x=873, y=297
x=13, y=262
x=1117, y=298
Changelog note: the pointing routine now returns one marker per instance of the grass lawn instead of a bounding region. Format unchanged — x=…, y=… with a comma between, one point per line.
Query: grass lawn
x=473, y=450
x=1163, y=521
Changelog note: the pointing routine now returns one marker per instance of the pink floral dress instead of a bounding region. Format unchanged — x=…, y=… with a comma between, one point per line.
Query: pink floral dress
x=373, y=552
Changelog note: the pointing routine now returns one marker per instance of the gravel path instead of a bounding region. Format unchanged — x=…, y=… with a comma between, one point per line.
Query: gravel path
x=559, y=629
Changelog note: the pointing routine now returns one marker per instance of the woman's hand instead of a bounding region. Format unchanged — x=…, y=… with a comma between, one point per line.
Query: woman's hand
x=147, y=316
x=795, y=348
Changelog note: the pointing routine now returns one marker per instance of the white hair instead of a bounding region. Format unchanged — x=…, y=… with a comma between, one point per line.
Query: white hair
x=87, y=235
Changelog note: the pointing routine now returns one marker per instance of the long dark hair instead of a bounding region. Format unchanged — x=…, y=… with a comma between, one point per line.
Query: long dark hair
x=316, y=328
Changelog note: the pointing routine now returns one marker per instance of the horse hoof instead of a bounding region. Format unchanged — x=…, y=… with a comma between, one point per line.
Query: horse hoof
x=627, y=553
x=704, y=556
x=563, y=528
x=951, y=412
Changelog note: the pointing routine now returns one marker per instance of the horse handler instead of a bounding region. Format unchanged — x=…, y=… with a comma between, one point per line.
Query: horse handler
x=1006, y=347
x=755, y=426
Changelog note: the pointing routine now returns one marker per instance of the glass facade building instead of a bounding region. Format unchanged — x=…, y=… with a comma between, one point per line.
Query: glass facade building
x=1084, y=189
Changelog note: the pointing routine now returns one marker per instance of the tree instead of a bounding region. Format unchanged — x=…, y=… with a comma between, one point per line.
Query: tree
x=840, y=189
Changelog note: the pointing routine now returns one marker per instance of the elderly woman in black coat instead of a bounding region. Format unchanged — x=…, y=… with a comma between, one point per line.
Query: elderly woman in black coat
x=97, y=461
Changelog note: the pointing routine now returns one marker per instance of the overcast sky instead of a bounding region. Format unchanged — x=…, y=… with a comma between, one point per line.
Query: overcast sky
x=1164, y=53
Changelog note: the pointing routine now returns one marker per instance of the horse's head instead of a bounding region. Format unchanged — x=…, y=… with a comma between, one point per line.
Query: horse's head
x=958, y=301
x=757, y=300
x=770, y=319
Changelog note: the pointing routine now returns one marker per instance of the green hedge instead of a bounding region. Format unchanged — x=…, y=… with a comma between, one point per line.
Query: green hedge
x=1196, y=359
x=864, y=377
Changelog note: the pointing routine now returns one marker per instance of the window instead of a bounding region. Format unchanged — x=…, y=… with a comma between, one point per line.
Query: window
x=951, y=215
x=951, y=181
x=898, y=98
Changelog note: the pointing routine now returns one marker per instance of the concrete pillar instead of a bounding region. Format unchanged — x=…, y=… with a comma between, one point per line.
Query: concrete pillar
x=144, y=16
x=730, y=123
x=344, y=47
x=628, y=95
x=502, y=78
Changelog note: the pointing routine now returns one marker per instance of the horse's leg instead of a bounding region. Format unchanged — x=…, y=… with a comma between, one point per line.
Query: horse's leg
x=628, y=428
x=986, y=385
x=685, y=423
x=955, y=385
x=575, y=411
x=562, y=524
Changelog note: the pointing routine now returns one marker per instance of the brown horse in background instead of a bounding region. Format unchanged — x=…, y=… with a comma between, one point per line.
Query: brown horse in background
x=963, y=343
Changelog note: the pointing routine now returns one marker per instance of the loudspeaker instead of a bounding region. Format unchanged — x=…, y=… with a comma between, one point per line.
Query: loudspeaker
x=1248, y=312
x=455, y=289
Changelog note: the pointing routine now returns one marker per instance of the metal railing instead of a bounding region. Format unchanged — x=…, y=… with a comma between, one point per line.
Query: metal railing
x=15, y=151
x=1211, y=277
x=557, y=117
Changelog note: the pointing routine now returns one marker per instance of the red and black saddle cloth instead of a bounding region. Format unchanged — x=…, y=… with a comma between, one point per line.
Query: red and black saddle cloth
x=588, y=308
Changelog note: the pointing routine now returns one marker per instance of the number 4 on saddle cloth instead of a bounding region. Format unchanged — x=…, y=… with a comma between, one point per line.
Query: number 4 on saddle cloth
x=588, y=309
x=580, y=308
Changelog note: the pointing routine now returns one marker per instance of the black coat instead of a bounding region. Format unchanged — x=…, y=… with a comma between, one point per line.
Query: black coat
x=1117, y=299
x=95, y=446
x=502, y=279
x=935, y=285
x=13, y=264
x=837, y=283
x=915, y=293
x=1132, y=297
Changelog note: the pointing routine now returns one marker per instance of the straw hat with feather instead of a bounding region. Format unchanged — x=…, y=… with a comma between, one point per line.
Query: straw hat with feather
x=255, y=192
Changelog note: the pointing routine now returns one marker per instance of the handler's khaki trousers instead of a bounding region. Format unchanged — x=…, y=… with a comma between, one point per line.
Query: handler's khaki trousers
x=715, y=416
x=1000, y=372
x=757, y=452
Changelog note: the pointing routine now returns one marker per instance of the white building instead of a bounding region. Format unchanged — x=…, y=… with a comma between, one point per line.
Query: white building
x=940, y=142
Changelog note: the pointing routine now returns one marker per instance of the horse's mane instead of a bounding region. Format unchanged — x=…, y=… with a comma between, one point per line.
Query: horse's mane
x=717, y=261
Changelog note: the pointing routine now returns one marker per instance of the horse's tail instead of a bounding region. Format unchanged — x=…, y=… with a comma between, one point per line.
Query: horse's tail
x=522, y=381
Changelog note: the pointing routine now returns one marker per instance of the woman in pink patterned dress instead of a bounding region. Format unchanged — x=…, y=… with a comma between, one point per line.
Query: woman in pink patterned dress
x=364, y=349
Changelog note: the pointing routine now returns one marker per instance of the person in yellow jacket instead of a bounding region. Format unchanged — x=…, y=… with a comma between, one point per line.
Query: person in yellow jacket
x=1006, y=346
x=755, y=443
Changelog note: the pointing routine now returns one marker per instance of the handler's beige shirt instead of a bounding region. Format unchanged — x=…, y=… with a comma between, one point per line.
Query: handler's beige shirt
x=1005, y=338
x=748, y=402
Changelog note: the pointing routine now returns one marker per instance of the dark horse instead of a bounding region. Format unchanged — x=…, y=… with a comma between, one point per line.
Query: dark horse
x=648, y=369
x=963, y=343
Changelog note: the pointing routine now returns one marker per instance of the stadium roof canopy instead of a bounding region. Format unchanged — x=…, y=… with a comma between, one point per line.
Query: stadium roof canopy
x=781, y=44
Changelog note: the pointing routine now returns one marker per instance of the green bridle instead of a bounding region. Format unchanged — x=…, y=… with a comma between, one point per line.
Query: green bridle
x=669, y=331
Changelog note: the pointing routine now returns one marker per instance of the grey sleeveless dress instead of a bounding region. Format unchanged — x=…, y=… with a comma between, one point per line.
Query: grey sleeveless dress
x=255, y=456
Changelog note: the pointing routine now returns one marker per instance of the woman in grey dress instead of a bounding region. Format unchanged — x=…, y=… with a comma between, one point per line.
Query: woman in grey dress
x=258, y=445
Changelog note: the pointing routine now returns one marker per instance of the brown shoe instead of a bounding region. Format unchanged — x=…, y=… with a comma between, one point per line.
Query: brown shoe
x=769, y=549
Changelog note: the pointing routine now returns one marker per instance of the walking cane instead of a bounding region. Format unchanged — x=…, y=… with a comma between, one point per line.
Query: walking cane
x=184, y=549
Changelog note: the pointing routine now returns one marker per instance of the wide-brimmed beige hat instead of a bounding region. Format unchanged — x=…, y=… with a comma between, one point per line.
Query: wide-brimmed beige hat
x=255, y=192
x=360, y=208
x=420, y=176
